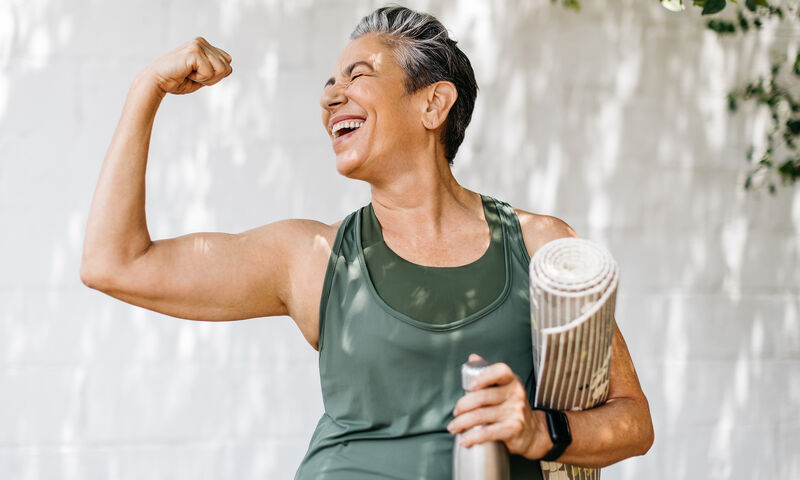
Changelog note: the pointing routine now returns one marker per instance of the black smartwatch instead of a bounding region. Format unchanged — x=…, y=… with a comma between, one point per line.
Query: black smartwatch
x=558, y=426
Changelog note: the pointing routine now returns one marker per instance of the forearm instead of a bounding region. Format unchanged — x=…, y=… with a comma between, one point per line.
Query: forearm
x=116, y=230
x=619, y=429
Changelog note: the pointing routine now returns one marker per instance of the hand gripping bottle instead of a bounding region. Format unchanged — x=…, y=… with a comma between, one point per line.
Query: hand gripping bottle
x=484, y=461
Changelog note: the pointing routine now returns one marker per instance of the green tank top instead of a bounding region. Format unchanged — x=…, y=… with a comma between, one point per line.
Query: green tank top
x=390, y=381
x=436, y=295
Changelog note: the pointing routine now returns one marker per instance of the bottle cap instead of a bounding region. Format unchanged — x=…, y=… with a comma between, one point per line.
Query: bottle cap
x=470, y=370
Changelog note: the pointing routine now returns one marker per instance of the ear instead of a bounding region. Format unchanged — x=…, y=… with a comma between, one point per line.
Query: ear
x=440, y=98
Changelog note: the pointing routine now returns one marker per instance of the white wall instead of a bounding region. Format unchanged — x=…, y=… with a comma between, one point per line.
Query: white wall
x=613, y=119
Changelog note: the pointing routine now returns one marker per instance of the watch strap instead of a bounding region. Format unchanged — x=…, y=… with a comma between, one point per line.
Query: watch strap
x=558, y=426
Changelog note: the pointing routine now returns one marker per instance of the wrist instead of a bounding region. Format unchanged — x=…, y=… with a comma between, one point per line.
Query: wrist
x=146, y=83
x=542, y=443
x=559, y=433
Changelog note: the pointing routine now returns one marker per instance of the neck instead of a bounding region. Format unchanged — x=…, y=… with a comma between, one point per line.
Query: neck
x=421, y=197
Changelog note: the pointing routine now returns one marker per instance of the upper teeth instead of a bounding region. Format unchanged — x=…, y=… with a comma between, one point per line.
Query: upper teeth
x=346, y=124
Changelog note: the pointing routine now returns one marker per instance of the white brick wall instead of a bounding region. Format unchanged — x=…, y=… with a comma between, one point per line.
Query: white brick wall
x=613, y=119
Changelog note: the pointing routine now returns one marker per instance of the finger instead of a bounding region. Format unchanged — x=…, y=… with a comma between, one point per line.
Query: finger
x=474, y=357
x=202, y=68
x=220, y=66
x=488, y=433
x=495, y=374
x=224, y=54
x=480, y=398
x=473, y=418
x=211, y=50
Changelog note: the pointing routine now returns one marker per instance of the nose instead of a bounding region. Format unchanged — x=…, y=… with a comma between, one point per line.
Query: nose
x=332, y=96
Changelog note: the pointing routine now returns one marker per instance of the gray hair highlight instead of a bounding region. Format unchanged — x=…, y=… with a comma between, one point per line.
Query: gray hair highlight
x=427, y=54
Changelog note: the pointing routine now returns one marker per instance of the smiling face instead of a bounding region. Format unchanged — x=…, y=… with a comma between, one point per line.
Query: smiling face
x=366, y=111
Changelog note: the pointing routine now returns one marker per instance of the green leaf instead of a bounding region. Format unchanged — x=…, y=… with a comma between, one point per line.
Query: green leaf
x=711, y=7
x=793, y=125
x=751, y=5
x=742, y=21
x=732, y=105
x=790, y=169
x=722, y=27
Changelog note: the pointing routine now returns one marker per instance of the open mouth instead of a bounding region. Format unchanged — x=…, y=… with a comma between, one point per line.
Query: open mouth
x=346, y=127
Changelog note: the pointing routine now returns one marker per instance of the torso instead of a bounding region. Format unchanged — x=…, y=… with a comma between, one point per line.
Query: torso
x=306, y=289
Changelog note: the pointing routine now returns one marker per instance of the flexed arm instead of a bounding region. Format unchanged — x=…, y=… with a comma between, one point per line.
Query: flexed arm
x=116, y=231
x=200, y=276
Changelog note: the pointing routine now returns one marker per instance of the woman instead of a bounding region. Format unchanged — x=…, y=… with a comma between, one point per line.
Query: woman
x=397, y=294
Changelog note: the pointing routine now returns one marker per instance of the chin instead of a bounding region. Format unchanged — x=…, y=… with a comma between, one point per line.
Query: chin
x=347, y=163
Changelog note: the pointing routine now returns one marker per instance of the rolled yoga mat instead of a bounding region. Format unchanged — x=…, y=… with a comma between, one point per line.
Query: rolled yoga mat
x=573, y=285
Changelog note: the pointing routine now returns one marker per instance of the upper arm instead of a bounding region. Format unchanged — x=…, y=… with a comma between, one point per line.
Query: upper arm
x=217, y=276
x=537, y=230
x=623, y=381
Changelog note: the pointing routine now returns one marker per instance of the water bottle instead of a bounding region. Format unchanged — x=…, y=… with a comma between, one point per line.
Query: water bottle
x=483, y=461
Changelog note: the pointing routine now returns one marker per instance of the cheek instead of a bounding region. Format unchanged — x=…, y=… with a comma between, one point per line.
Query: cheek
x=325, y=118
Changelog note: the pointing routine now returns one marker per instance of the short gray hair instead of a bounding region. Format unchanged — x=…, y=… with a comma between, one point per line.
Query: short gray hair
x=428, y=55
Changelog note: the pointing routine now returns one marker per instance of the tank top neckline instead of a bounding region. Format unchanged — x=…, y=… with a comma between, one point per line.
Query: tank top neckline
x=488, y=218
x=444, y=326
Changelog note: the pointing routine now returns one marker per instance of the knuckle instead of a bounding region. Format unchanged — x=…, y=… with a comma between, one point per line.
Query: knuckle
x=476, y=435
x=519, y=425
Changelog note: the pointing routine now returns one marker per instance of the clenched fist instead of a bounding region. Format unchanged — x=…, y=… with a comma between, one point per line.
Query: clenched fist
x=188, y=68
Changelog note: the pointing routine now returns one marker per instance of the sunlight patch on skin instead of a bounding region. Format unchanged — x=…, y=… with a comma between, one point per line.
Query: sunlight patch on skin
x=321, y=243
x=377, y=60
x=202, y=245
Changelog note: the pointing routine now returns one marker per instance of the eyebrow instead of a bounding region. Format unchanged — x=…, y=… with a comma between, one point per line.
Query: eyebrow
x=349, y=70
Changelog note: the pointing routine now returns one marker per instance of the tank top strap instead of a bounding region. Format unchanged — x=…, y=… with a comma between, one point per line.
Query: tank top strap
x=333, y=260
x=516, y=242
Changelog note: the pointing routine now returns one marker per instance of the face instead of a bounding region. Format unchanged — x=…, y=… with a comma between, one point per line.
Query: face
x=366, y=111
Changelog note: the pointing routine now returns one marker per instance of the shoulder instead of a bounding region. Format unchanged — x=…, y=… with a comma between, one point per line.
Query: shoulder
x=291, y=230
x=297, y=241
x=539, y=229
